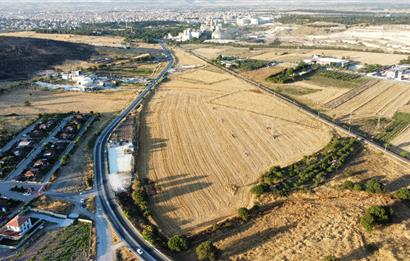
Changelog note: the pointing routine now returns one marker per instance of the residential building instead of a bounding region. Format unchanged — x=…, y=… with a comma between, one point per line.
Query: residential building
x=19, y=224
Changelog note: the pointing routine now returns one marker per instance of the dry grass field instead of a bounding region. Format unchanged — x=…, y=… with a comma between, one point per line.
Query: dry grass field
x=328, y=226
x=206, y=137
x=60, y=101
x=310, y=226
x=112, y=41
x=385, y=98
x=403, y=140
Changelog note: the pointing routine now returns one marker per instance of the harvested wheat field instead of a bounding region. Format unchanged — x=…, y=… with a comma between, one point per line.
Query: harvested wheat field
x=403, y=140
x=323, y=223
x=384, y=98
x=206, y=137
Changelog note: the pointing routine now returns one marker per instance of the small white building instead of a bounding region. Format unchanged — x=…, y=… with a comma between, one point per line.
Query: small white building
x=327, y=61
x=399, y=72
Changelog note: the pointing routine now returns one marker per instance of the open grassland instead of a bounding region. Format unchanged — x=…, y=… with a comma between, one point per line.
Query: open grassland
x=385, y=99
x=207, y=136
x=42, y=101
x=113, y=41
x=295, y=55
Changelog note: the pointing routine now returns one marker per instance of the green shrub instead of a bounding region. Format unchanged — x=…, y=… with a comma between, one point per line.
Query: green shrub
x=206, y=251
x=348, y=185
x=330, y=258
x=376, y=215
x=260, y=189
x=374, y=186
x=148, y=233
x=178, y=243
x=403, y=194
x=358, y=187
x=244, y=214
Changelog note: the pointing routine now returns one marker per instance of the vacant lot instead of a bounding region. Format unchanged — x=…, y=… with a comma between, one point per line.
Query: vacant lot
x=385, y=99
x=71, y=243
x=207, y=137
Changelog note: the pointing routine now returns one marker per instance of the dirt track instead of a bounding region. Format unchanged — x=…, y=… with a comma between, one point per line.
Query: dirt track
x=208, y=137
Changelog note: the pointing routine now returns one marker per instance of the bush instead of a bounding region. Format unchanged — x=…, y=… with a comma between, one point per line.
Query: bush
x=244, y=214
x=260, y=188
x=404, y=154
x=330, y=258
x=178, y=243
x=374, y=186
x=358, y=187
x=376, y=215
x=348, y=185
x=27, y=103
x=149, y=234
x=206, y=251
x=403, y=194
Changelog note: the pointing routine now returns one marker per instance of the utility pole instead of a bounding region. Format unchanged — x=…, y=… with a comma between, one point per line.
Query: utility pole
x=378, y=121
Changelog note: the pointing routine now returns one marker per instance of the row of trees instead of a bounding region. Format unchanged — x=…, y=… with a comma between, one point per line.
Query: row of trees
x=338, y=75
x=310, y=171
x=371, y=186
x=293, y=74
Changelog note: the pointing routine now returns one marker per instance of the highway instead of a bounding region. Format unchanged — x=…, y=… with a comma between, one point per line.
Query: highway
x=121, y=225
x=309, y=111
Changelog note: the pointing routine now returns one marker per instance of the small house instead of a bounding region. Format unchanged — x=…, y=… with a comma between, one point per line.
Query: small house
x=19, y=224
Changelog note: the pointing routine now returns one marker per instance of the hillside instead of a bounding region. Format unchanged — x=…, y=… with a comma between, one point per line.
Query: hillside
x=20, y=58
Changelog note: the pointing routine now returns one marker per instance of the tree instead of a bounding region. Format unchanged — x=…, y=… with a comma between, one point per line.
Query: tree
x=178, y=243
x=374, y=186
x=206, y=251
x=149, y=234
x=244, y=214
x=403, y=194
x=376, y=215
x=260, y=189
x=358, y=187
x=348, y=185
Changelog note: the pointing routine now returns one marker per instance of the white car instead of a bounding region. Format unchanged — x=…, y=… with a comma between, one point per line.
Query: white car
x=27, y=194
x=82, y=200
x=139, y=251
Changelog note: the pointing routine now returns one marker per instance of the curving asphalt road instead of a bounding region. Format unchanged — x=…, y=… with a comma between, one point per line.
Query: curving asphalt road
x=122, y=226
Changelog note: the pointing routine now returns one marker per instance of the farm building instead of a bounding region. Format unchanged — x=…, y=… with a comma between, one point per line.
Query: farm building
x=327, y=61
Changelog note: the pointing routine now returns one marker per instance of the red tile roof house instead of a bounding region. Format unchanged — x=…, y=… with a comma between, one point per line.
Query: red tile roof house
x=17, y=227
